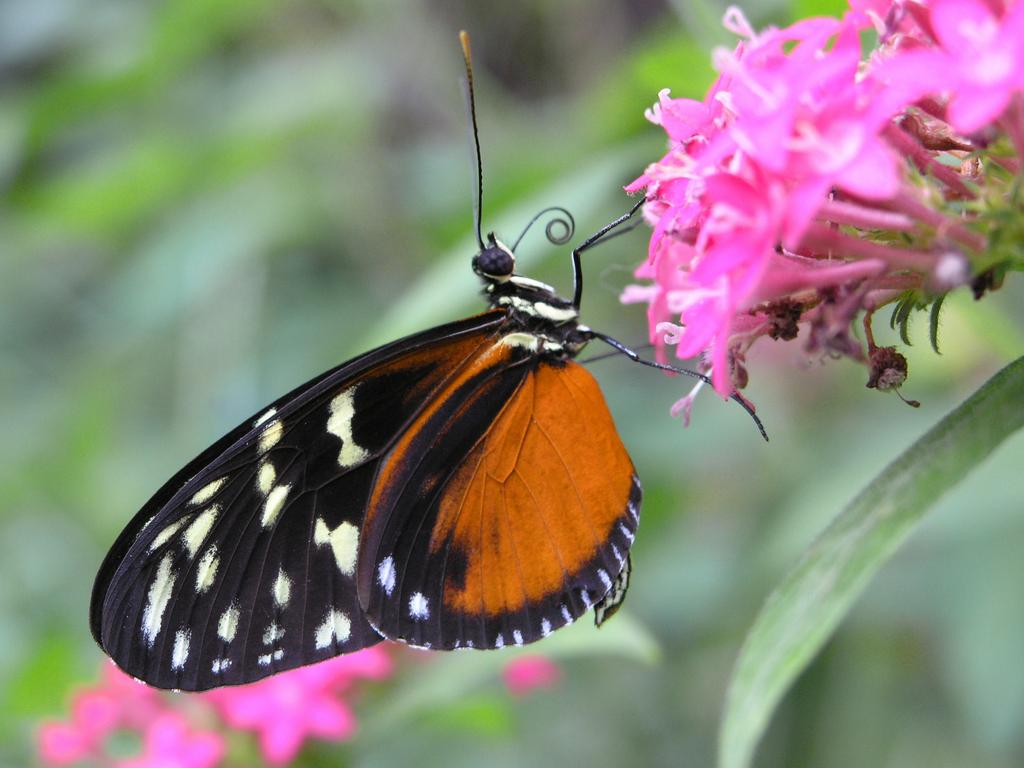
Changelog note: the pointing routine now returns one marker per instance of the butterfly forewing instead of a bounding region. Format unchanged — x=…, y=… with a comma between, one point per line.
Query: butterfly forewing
x=497, y=519
x=243, y=564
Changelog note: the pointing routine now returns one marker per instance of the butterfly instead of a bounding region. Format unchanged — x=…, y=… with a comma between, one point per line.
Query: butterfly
x=463, y=487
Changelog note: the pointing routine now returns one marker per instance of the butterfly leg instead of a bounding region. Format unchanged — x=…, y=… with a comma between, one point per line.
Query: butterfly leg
x=635, y=357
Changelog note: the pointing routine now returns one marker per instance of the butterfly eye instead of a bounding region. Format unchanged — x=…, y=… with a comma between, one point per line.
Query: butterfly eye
x=495, y=261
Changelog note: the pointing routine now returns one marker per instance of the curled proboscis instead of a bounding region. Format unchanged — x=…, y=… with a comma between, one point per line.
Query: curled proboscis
x=559, y=230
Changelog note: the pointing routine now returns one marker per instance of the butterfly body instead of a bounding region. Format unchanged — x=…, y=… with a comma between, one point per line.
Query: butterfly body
x=464, y=487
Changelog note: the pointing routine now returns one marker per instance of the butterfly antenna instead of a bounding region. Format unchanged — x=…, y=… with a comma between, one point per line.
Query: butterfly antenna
x=478, y=200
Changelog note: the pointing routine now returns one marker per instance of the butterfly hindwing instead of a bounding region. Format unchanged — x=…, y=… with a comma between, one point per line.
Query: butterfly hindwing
x=243, y=564
x=505, y=513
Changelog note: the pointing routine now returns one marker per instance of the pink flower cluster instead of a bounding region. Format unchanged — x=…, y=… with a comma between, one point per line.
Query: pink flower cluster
x=307, y=702
x=814, y=185
x=189, y=731
x=525, y=674
x=183, y=731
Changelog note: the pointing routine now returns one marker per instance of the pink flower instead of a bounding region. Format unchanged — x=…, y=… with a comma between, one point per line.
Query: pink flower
x=985, y=58
x=965, y=53
x=814, y=184
x=287, y=709
x=137, y=703
x=64, y=743
x=732, y=249
x=171, y=743
x=524, y=674
x=116, y=702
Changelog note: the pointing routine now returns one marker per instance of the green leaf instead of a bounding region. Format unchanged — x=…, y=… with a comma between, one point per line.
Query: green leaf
x=44, y=679
x=804, y=610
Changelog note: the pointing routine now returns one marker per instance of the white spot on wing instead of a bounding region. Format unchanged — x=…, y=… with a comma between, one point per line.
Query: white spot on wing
x=206, y=570
x=271, y=435
x=145, y=525
x=273, y=634
x=517, y=637
x=335, y=627
x=605, y=578
x=275, y=501
x=343, y=540
x=626, y=532
x=566, y=615
x=197, y=532
x=265, y=659
x=164, y=536
x=386, y=575
x=419, y=607
x=270, y=412
x=618, y=555
x=206, y=493
x=156, y=600
x=282, y=589
x=339, y=424
x=180, y=652
x=219, y=665
x=500, y=642
x=265, y=477
x=545, y=628
x=633, y=511
x=228, y=624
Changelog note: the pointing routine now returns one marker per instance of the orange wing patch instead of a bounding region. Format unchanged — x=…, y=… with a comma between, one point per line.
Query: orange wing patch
x=505, y=510
x=538, y=498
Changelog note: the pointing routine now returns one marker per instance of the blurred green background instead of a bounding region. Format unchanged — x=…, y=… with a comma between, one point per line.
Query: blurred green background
x=206, y=202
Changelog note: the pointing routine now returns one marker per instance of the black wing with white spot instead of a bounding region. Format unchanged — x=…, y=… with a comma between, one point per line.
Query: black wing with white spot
x=243, y=564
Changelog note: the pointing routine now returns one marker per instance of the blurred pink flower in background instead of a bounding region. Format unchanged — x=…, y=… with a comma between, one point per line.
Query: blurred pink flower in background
x=171, y=743
x=64, y=743
x=283, y=710
x=287, y=709
x=813, y=186
x=116, y=702
x=524, y=674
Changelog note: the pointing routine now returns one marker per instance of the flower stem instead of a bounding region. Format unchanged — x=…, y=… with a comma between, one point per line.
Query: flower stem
x=842, y=245
x=864, y=217
x=943, y=225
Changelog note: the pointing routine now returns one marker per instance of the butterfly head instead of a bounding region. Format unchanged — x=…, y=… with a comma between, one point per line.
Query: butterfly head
x=495, y=262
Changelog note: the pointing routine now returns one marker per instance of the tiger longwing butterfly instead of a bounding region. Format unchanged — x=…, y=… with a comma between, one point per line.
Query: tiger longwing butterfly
x=464, y=487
